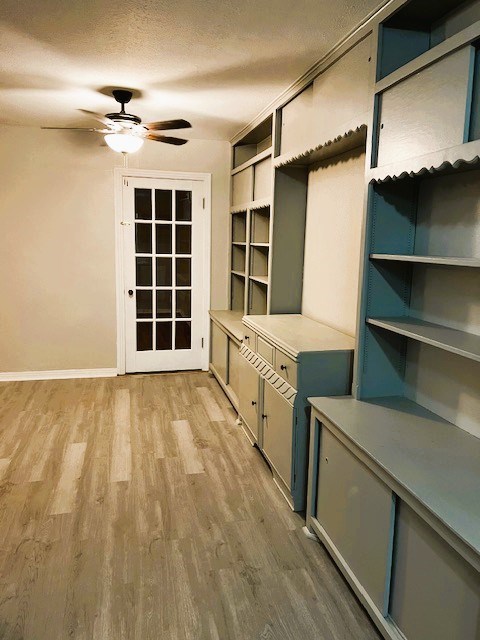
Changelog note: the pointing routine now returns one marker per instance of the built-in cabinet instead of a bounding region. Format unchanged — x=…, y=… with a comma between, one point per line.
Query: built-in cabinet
x=394, y=470
x=284, y=359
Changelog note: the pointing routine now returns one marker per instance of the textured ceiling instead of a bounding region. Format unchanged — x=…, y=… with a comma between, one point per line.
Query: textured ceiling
x=216, y=63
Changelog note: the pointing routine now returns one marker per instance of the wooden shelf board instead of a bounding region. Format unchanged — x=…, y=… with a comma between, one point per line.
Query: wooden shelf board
x=240, y=274
x=432, y=459
x=258, y=158
x=458, y=342
x=260, y=279
x=260, y=244
x=440, y=260
x=239, y=244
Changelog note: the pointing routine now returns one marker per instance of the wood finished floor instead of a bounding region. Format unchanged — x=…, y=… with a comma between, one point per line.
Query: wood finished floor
x=134, y=508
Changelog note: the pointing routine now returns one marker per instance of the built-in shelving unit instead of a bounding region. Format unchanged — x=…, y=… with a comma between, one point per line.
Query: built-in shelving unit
x=400, y=458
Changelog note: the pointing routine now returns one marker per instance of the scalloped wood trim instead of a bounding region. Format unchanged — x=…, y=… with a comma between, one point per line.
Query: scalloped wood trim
x=432, y=170
x=340, y=144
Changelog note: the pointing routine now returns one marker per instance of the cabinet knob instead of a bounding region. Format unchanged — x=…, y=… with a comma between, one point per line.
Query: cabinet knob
x=253, y=403
x=264, y=415
x=283, y=367
x=247, y=337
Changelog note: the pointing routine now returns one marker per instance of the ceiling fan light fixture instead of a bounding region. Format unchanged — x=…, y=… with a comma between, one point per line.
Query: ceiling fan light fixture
x=123, y=142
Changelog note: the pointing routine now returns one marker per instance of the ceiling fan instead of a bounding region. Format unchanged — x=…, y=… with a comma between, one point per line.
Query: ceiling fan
x=124, y=132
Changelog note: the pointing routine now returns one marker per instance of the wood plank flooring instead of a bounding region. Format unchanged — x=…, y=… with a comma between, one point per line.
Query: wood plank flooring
x=133, y=508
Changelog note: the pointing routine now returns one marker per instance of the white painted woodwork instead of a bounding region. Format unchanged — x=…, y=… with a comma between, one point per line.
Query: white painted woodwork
x=435, y=593
x=219, y=348
x=342, y=94
x=294, y=333
x=242, y=187
x=333, y=238
x=265, y=350
x=413, y=113
x=455, y=21
x=153, y=359
x=262, y=176
x=297, y=122
x=277, y=432
x=233, y=366
x=286, y=367
x=249, y=396
x=350, y=498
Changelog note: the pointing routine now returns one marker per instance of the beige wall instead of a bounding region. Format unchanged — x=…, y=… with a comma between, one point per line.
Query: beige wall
x=332, y=241
x=57, y=243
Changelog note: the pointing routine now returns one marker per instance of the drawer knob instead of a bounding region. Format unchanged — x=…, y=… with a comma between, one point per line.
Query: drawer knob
x=283, y=367
x=253, y=403
x=247, y=337
x=264, y=415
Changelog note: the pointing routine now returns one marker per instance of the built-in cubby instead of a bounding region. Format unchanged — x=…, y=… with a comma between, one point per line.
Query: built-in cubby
x=239, y=227
x=260, y=226
x=254, y=143
x=237, y=292
x=239, y=258
x=419, y=26
x=259, y=262
x=258, y=297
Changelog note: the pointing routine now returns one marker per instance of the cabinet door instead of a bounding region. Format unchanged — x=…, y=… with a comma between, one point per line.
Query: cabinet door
x=414, y=112
x=355, y=509
x=218, y=357
x=278, y=433
x=249, y=383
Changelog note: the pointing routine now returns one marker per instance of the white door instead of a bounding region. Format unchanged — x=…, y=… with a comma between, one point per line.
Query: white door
x=164, y=244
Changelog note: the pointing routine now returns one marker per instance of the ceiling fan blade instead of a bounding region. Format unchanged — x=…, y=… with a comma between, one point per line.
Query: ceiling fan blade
x=98, y=116
x=78, y=129
x=167, y=124
x=166, y=139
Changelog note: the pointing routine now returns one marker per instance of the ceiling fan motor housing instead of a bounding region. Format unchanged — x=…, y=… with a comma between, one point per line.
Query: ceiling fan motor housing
x=123, y=97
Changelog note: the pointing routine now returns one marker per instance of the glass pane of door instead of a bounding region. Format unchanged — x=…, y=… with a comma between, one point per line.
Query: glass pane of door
x=163, y=269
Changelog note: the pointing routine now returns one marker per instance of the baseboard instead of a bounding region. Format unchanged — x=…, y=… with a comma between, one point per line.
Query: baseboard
x=56, y=374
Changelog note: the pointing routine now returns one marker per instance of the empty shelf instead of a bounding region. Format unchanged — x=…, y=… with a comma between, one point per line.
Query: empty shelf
x=459, y=342
x=440, y=260
x=260, y=279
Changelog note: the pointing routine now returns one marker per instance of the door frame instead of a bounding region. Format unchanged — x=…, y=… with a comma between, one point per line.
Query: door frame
x=119, y=175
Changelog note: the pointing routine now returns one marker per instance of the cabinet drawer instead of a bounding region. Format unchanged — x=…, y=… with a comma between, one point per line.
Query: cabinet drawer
x=265, y=350
x=250, y=338
x=286, y=367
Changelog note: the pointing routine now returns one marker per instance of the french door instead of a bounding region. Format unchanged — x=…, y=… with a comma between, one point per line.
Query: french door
x=164, y=244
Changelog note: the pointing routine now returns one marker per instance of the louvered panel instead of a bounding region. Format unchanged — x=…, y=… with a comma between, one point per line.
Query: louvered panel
x=283, y=388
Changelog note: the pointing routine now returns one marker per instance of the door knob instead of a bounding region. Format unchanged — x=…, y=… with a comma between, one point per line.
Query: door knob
x=130, y=292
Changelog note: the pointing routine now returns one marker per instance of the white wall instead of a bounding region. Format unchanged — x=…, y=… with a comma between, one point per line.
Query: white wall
x=57, y=242
x=332, y=241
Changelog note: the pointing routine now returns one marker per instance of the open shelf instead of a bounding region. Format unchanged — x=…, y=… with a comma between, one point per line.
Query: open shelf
x=263, y=155
x=458, y=342
x=239, y=227
x=260, y=225
x=260, y=279
x=239, y=274
x=440, y=260
x=256, y=142
x=258, y=297
x=237, y=292
x=419, y=26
